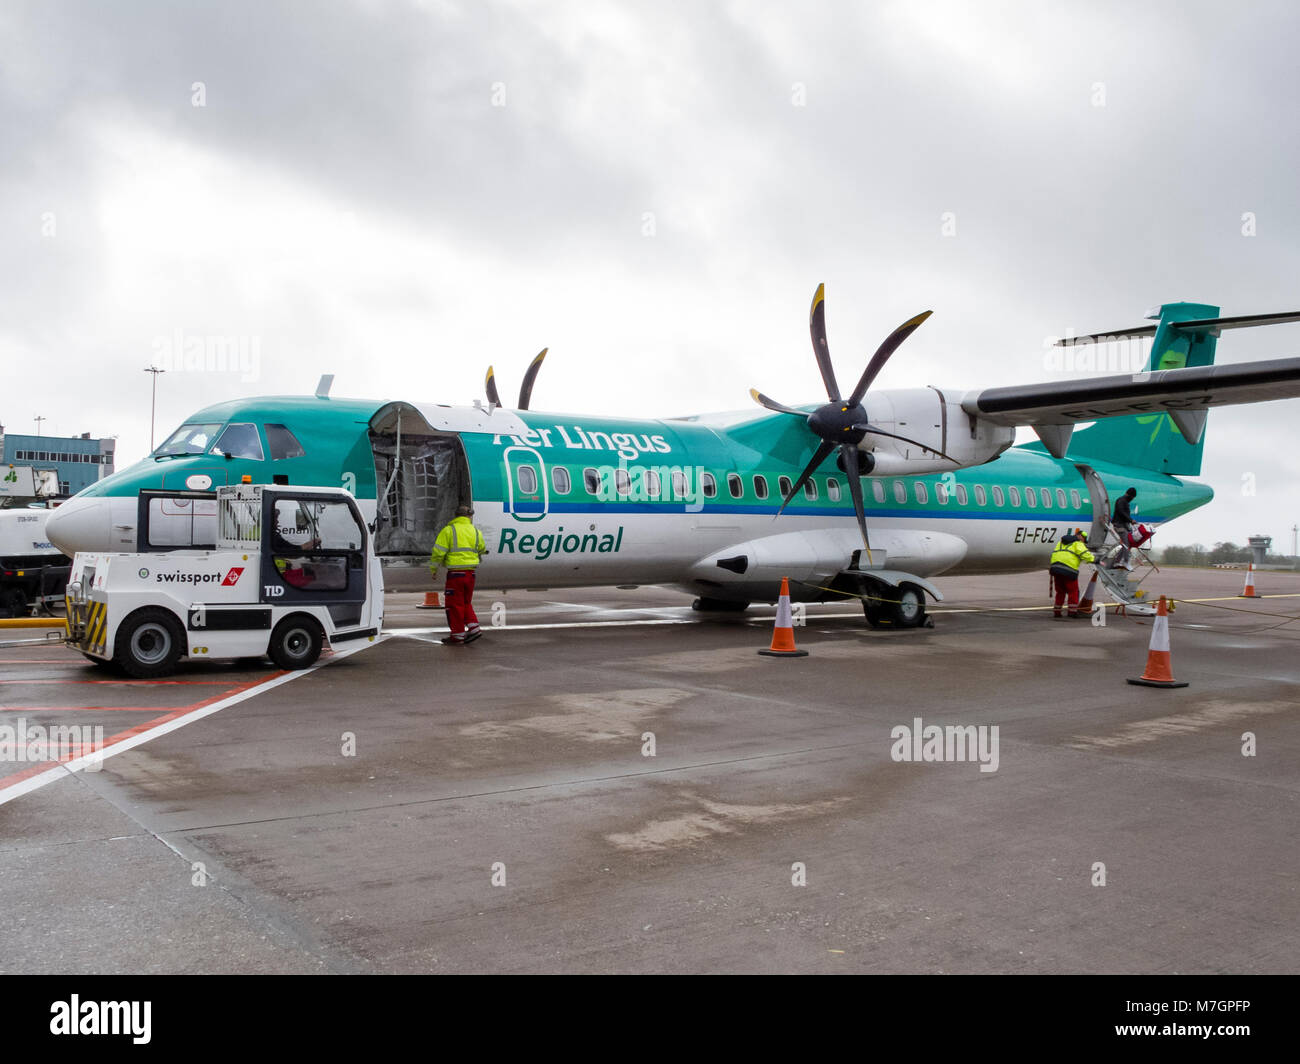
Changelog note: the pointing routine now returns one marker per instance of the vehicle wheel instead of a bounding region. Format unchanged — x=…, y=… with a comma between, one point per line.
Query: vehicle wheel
x=296, y=642
x=13, y=603
x=149, y=643
x=909, y=610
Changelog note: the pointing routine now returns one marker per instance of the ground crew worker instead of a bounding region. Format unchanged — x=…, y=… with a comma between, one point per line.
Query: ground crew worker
x=459, y=547
x=1122, y=520
x=1064, y=567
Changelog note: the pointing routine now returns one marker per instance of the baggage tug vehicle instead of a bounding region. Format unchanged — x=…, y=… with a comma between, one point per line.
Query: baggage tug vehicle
x=292, y=568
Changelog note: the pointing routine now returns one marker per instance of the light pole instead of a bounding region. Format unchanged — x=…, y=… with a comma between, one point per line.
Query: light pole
x=38, y=421
x=153, y=400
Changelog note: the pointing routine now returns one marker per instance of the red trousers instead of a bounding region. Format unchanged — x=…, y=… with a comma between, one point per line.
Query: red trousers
x=1066, y=585
x=458, y=598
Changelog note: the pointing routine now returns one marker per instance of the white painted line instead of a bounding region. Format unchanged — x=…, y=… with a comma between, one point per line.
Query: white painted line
x=67, y=768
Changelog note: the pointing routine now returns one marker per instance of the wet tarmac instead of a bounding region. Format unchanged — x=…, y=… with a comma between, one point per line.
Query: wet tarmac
x=610, y=782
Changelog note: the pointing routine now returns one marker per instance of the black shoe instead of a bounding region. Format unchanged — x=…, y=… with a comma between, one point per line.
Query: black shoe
x=452, y=641
x=471, y=636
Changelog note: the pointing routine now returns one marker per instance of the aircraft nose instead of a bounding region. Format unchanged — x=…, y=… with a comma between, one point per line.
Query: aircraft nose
x=81, y=524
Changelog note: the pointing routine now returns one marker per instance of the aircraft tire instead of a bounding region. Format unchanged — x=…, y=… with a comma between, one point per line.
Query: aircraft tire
x=909, y=610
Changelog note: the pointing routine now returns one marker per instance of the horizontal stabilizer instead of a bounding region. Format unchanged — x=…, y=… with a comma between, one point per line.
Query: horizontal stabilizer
x=1211, y=325
x=1196, y=388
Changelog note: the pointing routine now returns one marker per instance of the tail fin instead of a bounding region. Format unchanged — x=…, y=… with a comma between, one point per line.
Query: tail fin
x=1153, y=441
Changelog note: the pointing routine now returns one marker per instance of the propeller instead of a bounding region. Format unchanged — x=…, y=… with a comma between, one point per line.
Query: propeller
x=525, y=389
x=842, y=422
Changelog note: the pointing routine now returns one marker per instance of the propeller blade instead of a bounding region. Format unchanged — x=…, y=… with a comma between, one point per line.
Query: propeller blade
x=493, y=396
x=772, y=404
x=526, y=389
x=849, y=452
x=817, y=325
x=914, y=443
x=817, y=459
x=882, y=354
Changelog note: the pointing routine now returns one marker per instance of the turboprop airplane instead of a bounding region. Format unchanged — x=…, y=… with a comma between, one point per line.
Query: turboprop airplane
x=870, y=494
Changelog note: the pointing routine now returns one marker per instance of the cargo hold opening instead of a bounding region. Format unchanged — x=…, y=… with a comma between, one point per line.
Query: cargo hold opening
x=421, y=476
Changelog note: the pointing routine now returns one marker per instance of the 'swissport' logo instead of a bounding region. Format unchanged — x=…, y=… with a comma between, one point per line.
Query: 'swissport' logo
x=226, y=579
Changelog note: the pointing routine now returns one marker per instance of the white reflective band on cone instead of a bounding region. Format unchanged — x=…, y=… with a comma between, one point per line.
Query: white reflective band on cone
x=783, y=613
x=1160, y=634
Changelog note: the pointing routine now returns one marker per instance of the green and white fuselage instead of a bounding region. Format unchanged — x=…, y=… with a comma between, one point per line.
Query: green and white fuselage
x=575, y=500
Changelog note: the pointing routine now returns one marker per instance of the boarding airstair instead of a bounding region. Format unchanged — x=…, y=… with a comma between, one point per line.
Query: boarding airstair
x=1122, y=570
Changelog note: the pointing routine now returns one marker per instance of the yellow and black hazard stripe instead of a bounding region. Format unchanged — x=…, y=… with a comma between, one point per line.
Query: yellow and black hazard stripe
x=96, y=627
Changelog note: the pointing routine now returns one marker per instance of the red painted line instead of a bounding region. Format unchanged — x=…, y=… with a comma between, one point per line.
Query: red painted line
x=83, y=709
x=159, y=683
x=118, y=737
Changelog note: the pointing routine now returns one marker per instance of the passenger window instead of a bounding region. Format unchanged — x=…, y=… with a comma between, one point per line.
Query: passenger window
x=652, y=485
x=900, y=491
x=528, y=480
x=962, y=497
x=734, y=485
x=833, y=489
x=1060, y=497
x=1047, y=498
x=923, y=496
x=941, y=492
x=591, y=481
x=810, y=489
x=998, y=499
x=622, y=482
x=560, y=480
x=1014, y=493
x=784, y=485
x=760, y=486
x=1031, y=499
x=981, y=496
x=1074, y=499
x=710, y=485
x=283, y=443
x=239, y=441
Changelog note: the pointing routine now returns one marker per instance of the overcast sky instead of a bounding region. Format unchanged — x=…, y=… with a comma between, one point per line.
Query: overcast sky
x=401, y=193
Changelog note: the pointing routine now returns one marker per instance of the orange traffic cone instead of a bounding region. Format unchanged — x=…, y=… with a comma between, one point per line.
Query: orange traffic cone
x=783, y=632
x=1085, y=603
x=1159, y=673
x=430, y=602
x=1249, y=590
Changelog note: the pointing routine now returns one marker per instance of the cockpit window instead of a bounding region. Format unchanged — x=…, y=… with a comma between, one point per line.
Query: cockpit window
x=283, y=443
x=239, y=441
x=189, y=439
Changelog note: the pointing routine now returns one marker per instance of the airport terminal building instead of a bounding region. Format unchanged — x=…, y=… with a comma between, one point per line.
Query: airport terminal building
x=78, y=460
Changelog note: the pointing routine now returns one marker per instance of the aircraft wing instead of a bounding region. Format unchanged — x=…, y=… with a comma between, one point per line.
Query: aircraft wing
x=1053, y=408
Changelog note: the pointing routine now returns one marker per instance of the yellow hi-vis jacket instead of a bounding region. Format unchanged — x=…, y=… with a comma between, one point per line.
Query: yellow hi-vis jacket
x=1071, y=554
x=458, y=546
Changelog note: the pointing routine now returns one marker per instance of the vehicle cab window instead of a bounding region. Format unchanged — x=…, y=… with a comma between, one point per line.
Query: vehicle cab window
x=313, y=542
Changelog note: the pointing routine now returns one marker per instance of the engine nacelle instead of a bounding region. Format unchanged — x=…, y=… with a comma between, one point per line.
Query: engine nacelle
x=930, y=417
